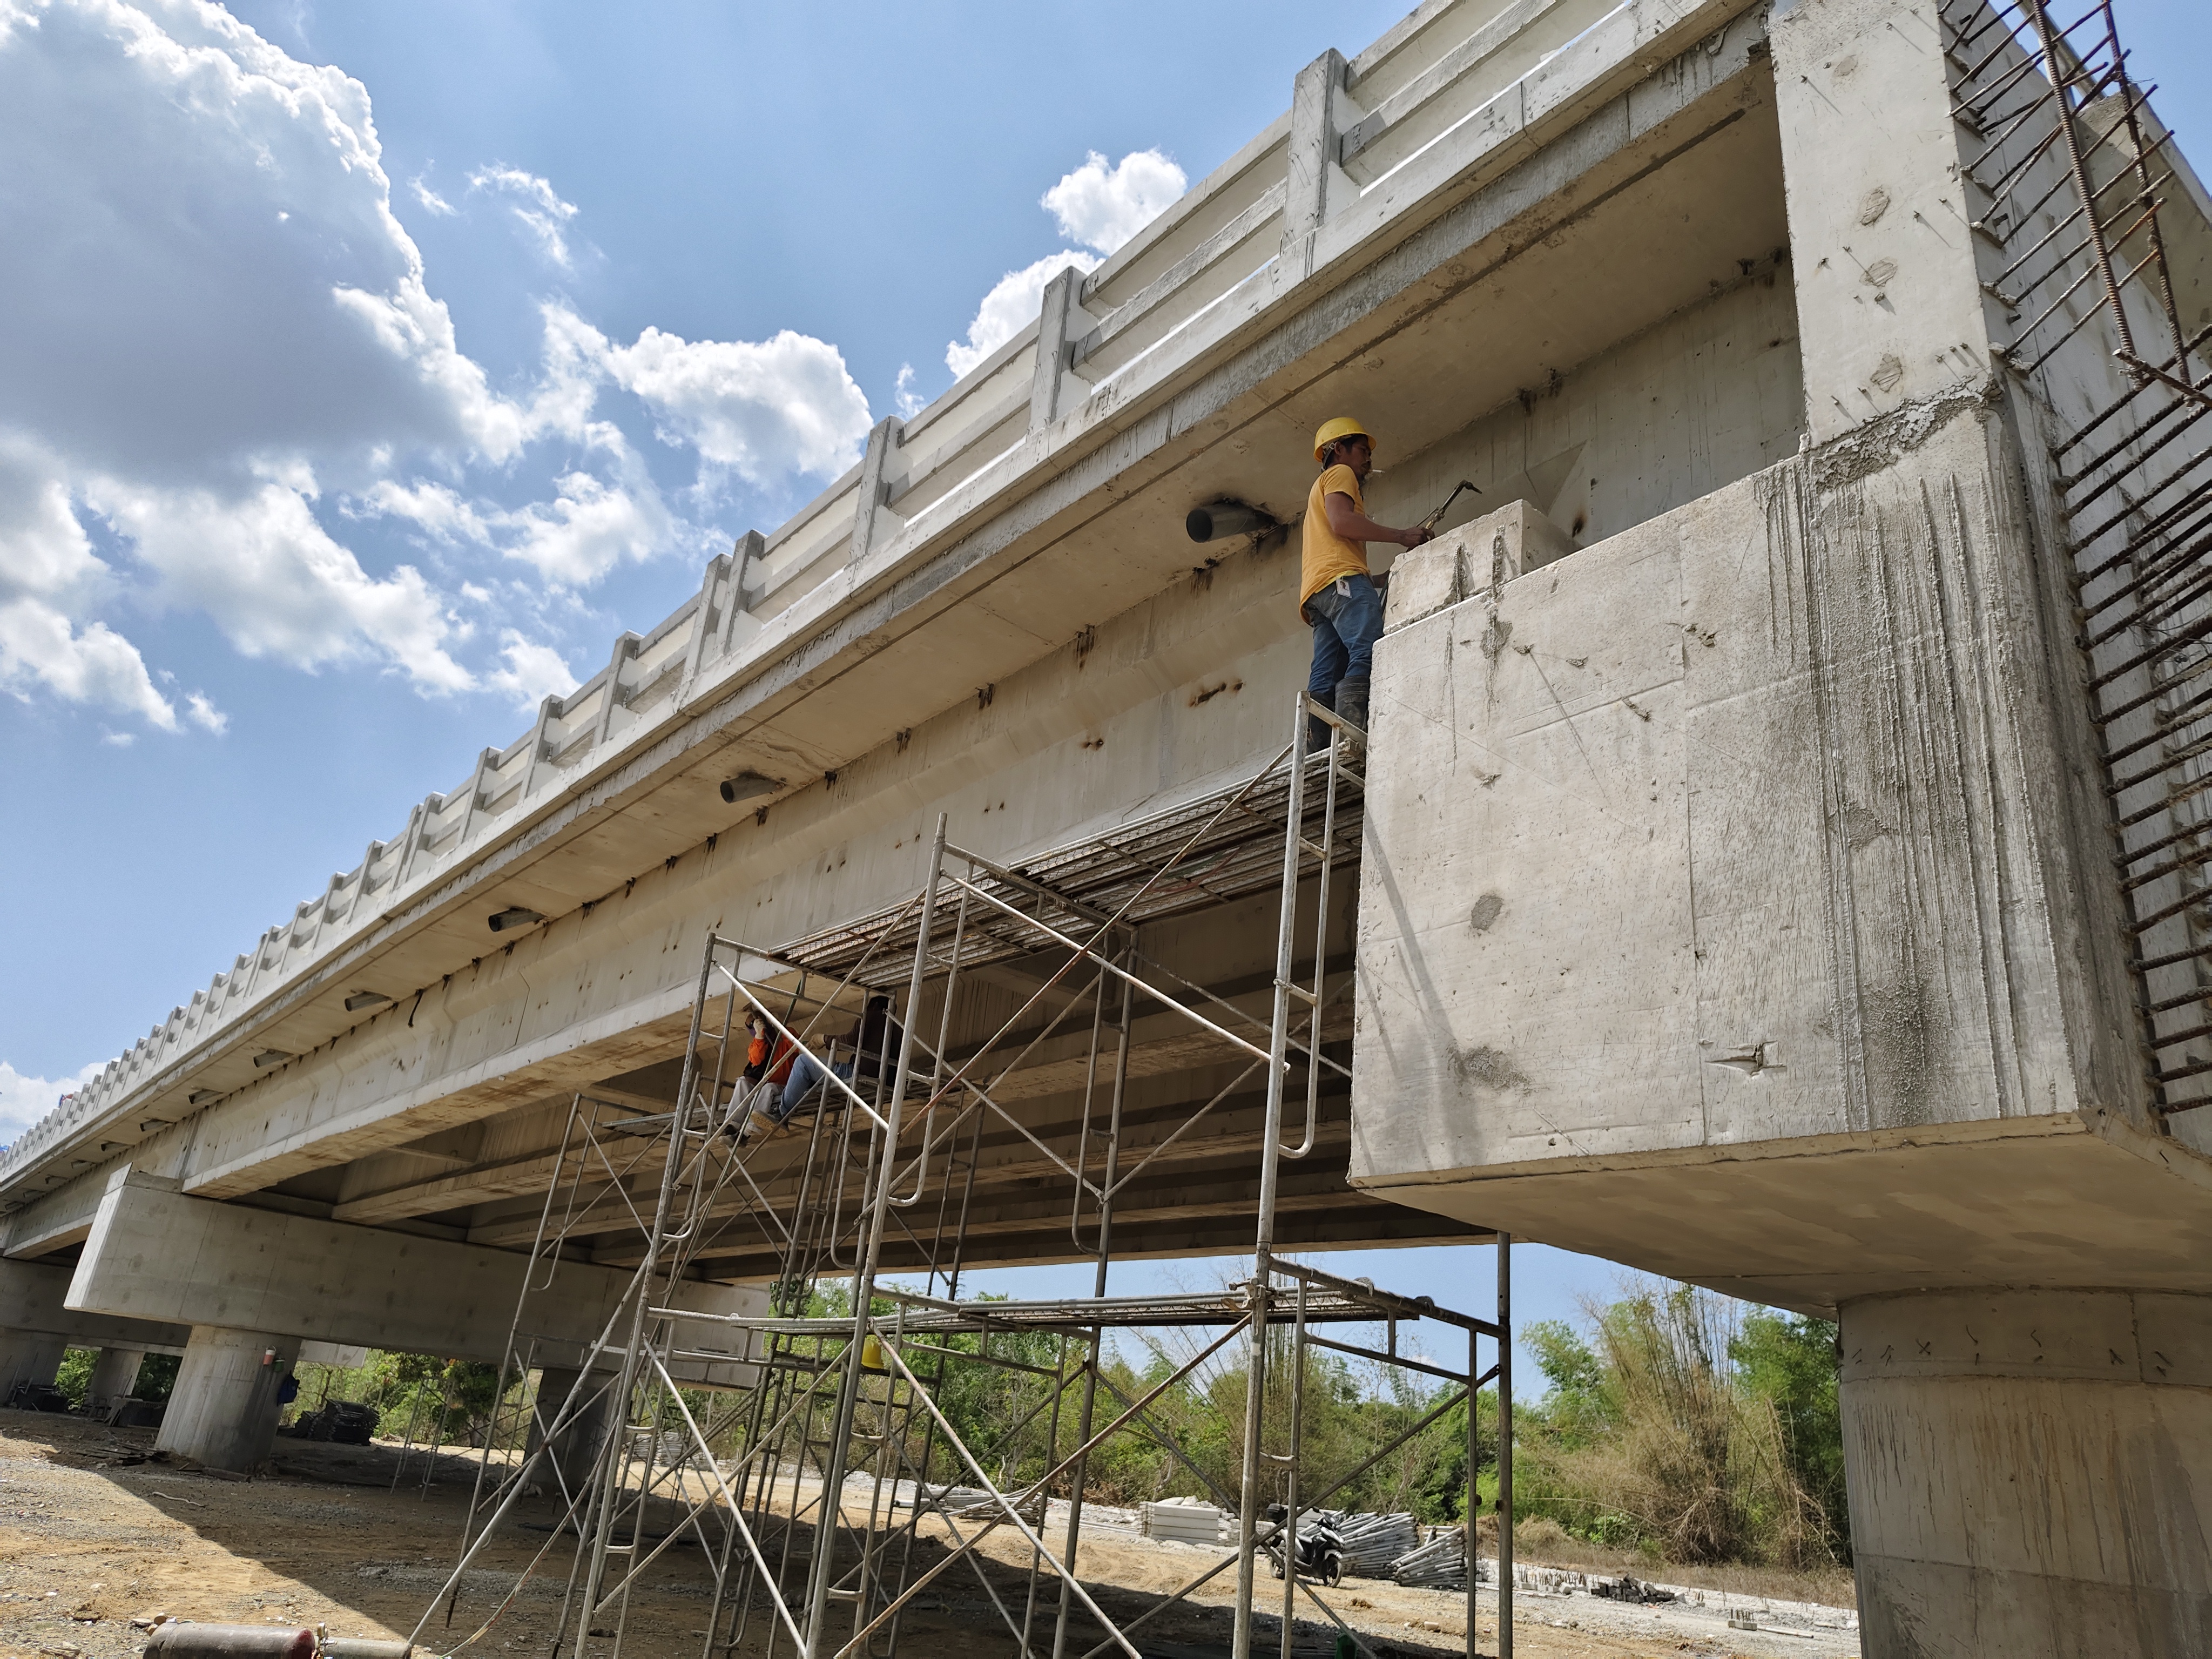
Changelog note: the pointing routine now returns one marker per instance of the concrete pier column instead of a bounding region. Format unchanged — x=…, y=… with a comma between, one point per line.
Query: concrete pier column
x=224, y=1409
x=28, y=1357
x=2030, y=1473
x=113, y=1374
x=579, y=1442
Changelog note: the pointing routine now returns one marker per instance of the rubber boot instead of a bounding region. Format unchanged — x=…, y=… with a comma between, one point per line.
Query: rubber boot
x=1352, y=706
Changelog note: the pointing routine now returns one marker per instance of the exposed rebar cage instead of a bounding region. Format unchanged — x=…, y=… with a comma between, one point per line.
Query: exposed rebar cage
x=2074, y=170
x=825, y=1485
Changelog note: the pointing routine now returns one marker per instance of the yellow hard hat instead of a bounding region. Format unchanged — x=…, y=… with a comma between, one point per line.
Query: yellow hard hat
x=1344, y=426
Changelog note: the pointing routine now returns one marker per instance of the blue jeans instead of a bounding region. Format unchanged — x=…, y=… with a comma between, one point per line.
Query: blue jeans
x=1346, y=626
x=805, y=1073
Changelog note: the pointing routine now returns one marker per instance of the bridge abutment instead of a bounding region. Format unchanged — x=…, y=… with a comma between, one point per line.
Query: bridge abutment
x=2031, y=1472
x=222, y=1411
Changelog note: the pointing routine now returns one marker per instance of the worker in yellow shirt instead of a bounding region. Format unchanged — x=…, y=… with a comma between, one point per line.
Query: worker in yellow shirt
x=1336, y=595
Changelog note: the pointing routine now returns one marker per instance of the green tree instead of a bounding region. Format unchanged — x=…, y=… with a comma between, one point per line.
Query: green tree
x=1655, y=1434
x=74, y=1379
x=1792, y=1362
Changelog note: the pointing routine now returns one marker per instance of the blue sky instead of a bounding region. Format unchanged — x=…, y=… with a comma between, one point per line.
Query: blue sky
x=612, y=284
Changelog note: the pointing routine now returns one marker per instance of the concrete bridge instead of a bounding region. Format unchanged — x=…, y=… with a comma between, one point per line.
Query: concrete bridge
x=1739, y=899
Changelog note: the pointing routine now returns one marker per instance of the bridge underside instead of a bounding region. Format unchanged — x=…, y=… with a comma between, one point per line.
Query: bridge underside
x=1038, y=1023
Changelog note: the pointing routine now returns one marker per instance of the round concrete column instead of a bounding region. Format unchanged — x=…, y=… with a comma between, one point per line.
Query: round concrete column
x=28, y=1357
x=579, y=1441
x=224, y=1409
x=114, y=1374
x=2031, y=1473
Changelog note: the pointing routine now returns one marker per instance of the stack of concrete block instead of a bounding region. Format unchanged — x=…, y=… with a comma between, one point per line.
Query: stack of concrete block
x=1182, y=1521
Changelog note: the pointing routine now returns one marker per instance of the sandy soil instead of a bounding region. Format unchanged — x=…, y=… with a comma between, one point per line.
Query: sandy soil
x=94, y=1535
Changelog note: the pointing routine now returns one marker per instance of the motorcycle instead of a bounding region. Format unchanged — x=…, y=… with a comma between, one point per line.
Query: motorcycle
x=1319, y=1545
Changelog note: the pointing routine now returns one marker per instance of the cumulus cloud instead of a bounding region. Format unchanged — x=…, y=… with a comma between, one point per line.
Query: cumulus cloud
x=1102, y=207
x=277, y=585
x=48, y=573
x=230, y=354
x=25, y=1100
x=529, y=672
x=588, y=528
x=536, y=206
x=758, y=410
x=435, y=508
x=91, y=664
x=1010, y=307
x=1098, y=205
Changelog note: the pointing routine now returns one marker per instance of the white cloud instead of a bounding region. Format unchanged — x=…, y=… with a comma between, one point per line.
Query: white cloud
x=760, y=409
x=230, y=351
x=910, y=403
x=535, y=204
x=434, y=507
x=591, y=526
x=1104, y=206
x=1009, y=307
x=91, y=664
x=25, y=1100
x=533, y=672
x=277, y=585
x=48, y=572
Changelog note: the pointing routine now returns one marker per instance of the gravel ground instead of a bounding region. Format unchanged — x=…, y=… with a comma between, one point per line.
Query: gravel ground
x=94, y=1535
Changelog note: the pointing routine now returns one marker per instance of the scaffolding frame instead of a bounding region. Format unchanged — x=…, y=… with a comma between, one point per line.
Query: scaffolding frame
x=2076, y=170
x=824, y=1191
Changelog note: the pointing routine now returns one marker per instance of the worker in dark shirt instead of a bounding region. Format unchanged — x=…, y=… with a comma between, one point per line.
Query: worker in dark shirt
x=875, y=1037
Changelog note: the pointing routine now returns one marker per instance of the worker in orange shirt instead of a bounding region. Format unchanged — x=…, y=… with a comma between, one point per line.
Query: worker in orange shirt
x=1336, y=595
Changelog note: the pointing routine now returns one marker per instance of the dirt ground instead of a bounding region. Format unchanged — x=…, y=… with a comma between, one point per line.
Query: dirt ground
x=94, y=1535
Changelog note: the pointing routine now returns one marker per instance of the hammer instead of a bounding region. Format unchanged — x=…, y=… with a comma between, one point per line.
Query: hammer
x=1437, y=517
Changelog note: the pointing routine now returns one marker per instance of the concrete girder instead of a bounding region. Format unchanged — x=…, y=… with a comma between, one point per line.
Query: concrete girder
x=1227, y=1194
x=1009, y=1166
x=1161, y=1044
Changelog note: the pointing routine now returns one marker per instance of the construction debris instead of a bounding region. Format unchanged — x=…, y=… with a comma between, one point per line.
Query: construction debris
x=1440, y=1564
x=1629, y=1588
x=1373, y=1543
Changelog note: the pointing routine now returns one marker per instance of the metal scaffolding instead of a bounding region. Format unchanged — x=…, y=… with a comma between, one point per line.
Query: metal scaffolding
x=826, y=1524
x=2075, y=169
